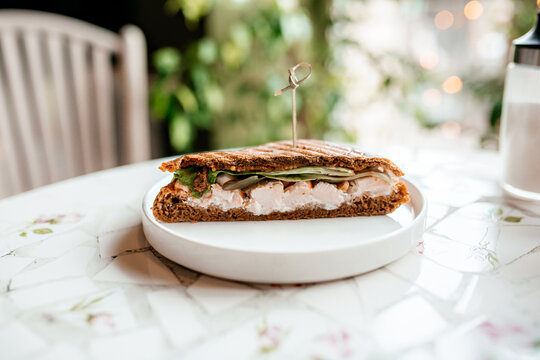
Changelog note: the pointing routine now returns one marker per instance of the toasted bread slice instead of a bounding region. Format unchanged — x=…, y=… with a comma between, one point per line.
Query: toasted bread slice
x=281, y=155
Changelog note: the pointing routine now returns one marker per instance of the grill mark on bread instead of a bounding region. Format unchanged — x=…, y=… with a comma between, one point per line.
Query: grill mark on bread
x=333, y=149
x=300, y=151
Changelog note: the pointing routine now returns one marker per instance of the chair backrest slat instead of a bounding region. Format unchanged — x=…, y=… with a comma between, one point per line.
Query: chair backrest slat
x=8, y=146
x=35, y=59
x=63, y=103
x=73, y=98
x=19, y=100
x=82, y=104
x=58, y=24
x=104, y=88
x=133, y=62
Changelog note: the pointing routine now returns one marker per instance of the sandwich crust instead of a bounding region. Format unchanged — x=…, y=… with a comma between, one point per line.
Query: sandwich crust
x=281, y=155
x=169, y=206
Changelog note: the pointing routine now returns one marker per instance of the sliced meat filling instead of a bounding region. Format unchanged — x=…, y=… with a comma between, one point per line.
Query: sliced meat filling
x=269, y=196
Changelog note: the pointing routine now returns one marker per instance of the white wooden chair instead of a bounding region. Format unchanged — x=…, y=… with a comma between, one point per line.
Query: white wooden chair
x=73, y=99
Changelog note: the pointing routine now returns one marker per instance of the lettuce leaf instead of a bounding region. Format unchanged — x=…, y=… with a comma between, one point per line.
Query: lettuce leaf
x=186, y=176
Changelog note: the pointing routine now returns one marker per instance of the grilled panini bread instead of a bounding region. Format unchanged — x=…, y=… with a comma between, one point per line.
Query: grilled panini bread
x=275, y=181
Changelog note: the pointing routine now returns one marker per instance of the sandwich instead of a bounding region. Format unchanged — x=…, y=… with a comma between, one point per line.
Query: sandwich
x=276, y=181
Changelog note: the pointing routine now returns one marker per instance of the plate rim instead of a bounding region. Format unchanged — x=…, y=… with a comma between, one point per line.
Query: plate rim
x=418, y=217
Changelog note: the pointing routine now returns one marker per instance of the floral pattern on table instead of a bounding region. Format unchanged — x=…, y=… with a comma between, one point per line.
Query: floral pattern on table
x=83, y=283
x=104, y=313
x=38, y=229
x=270, y=336
x=44, y=225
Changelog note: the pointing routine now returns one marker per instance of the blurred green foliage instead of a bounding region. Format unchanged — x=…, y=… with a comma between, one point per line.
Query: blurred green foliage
x=222, y=86
x=219, y=92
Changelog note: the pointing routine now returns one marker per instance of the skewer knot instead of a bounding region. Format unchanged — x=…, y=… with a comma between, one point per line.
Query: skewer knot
x=293, y=80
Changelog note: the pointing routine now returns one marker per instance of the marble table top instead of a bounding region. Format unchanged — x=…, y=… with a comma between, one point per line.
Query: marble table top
x=78, y=280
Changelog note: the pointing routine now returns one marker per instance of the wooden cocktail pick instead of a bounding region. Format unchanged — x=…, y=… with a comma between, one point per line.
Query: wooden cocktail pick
x=293, y=84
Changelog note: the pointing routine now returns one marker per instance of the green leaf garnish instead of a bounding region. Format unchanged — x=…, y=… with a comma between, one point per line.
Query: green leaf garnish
x=187, y=175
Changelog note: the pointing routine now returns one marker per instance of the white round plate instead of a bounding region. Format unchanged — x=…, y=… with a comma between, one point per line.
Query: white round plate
x=288, y=251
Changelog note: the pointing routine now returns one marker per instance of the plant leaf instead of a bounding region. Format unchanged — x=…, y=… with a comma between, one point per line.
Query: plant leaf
x=160, y=102
x=187, y=99
x=180, y=133
x=167, y=60
x=207, y=51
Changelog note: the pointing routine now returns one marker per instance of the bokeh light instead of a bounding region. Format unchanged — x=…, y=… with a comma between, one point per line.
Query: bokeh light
x=444, y=19
x=452, y=85
x=429, y=60
x=432, y=97
x=473, y=10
